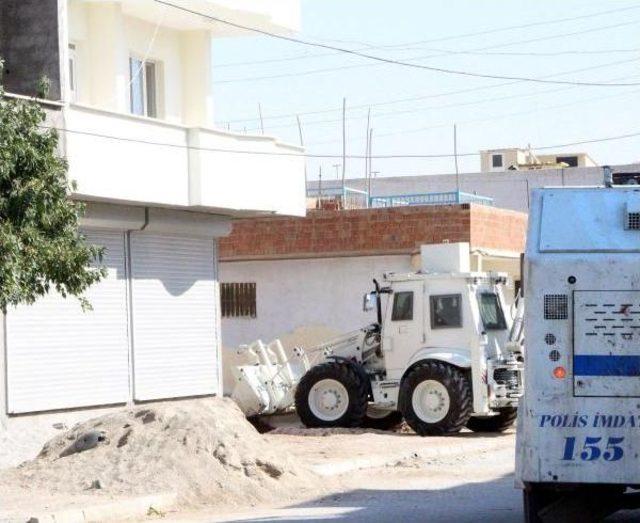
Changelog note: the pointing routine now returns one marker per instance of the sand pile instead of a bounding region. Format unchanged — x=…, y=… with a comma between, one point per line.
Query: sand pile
x=205, y=450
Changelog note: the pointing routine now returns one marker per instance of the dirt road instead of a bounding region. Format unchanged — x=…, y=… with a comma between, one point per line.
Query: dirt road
x=476, y=487
x=459, y=488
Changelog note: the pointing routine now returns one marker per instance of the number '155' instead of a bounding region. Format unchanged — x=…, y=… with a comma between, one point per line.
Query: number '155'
x=593, y=449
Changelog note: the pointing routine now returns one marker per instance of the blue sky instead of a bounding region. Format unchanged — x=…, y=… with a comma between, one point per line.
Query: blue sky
x=487, y=116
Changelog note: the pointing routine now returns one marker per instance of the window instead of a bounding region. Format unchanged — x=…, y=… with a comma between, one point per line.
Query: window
x=402, y=306
x=446, y=311
x=73, y=73
x=238, y=300
x=496, y=161
x=491, y=312
x=571, y=161
x=144, y=87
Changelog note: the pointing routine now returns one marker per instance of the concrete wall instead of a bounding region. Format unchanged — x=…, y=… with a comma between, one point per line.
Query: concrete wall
x=29, y=36
x=510, y=190
x=292, y=294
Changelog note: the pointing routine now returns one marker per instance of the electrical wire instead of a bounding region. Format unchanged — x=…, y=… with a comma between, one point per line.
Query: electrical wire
x=381, y=59
x=422, y=57
x=366, y=46
x=492, y=118
x=312, y=155
x=438, y=95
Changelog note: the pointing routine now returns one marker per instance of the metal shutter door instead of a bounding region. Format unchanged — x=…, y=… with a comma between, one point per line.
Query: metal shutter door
x=59, y=357
x=174, y=316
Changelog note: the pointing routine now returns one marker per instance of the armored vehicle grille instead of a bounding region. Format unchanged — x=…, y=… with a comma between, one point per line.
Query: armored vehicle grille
x=556, y=306
x=506, y=377
x=633, y=221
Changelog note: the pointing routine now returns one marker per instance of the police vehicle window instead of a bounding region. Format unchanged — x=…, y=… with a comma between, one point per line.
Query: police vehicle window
x=402, y=306
x=446, y=311
x=491, y=312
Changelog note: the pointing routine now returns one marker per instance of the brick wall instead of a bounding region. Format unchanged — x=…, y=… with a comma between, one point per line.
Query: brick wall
x=396, y=230
x=500, y=229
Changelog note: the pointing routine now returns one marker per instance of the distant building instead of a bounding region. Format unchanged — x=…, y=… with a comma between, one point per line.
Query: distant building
x=516, y=159
x=507, y=189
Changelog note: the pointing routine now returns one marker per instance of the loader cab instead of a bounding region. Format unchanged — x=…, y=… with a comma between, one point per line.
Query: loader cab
x=459, y=312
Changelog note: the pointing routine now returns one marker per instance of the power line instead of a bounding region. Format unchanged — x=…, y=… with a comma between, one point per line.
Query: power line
x=493, y=117
x=311, y=155
x=457, y=104
x=425, y=97
x=389, y=60
x=366, y=46
x=422, y=57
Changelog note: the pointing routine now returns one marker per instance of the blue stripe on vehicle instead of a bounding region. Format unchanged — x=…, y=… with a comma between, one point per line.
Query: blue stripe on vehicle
x=606, y=365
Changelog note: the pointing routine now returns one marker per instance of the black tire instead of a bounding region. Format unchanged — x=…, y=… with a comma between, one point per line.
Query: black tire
x=352, y=382
x=389, y=422
x=533, y=501
x=535, y=498
x=460, y=400
x=499, y=423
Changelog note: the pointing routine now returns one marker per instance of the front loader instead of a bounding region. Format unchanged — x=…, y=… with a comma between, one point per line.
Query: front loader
x=442, y=355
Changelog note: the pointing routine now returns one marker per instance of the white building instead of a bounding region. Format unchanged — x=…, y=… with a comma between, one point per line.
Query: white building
x=509, y=189
x=131, y=93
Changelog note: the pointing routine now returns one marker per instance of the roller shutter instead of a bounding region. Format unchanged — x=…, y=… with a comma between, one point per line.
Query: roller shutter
x=61, y=357
x=174, y=304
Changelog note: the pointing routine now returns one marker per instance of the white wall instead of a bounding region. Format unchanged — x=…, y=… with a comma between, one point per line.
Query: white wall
x=105, y=38
x=129, y=159
x=307, y=292
x=510, y=190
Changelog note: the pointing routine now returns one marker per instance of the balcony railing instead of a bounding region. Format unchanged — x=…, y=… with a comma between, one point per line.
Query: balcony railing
x=436, y=198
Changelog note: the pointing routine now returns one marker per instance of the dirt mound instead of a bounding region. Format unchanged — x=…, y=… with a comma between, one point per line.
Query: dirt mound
x=205, y=450
x=332, y=431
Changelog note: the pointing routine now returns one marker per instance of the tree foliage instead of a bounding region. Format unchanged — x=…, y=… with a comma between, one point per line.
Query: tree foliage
x=41, y=247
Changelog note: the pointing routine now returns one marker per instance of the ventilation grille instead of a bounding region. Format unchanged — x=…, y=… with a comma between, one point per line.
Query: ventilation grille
x=633, y=221
x=556, y=307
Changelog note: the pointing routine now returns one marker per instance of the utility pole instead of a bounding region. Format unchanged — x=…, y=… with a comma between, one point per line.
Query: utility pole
x=375, y=173
x=455, y=156
x=370, y=153
x=261, y=120
x=337, y=166
x=344, y=140
x=366, y=153
x=320, y=181
x=302, y=145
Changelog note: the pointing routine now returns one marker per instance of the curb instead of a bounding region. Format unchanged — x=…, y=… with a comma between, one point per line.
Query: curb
x=115, y=510
x=337, y=468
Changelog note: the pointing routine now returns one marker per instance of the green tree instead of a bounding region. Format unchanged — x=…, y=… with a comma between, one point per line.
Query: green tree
x=41, y=247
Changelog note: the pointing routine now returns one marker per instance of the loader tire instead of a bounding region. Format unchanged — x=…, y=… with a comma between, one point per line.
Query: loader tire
x=331, y=395
x=435, y=399
x=499, y=423
x=392, y=420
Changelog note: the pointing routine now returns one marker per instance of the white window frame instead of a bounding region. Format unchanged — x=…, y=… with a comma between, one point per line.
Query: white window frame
x=145, y=96
x=73, y=72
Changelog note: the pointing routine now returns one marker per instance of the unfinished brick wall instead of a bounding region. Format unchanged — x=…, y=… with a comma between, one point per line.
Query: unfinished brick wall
x=395, y=230
x=499, y=229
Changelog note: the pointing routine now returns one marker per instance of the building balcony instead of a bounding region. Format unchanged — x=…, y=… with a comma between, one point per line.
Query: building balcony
x=120, y=158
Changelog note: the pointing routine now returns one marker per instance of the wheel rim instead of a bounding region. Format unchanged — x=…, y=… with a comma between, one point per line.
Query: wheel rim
x=376, y=413
x=328, y=400
x=431, y=401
